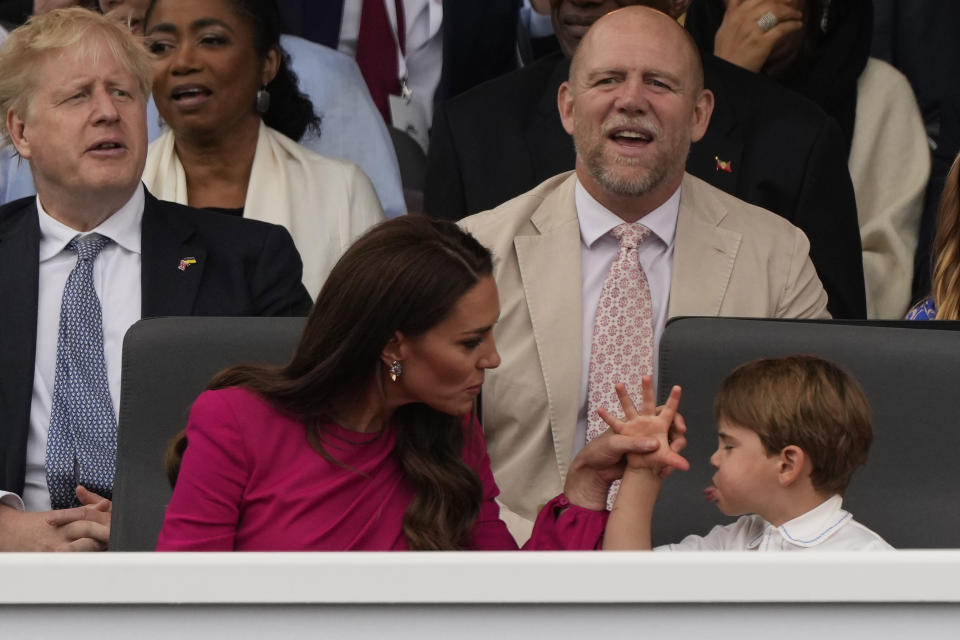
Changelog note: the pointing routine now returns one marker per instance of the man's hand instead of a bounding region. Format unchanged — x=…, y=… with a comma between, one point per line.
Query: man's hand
x=741, y=41
x=662, y=424
x=90, y=499
x=84, y=528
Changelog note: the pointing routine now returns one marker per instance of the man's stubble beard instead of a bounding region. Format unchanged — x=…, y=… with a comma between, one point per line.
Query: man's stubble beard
x=633, y=184
x=630, y=185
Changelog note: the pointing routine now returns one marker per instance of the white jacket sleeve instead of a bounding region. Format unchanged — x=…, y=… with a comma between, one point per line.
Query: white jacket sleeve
x=890, y=166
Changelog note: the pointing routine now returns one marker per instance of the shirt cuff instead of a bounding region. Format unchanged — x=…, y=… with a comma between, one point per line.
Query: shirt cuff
x=562, y=525
x=537, y=24
x=12, y=500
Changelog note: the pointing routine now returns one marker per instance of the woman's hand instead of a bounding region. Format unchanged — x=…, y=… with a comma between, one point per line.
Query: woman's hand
x=741, y=38
x=649, y=439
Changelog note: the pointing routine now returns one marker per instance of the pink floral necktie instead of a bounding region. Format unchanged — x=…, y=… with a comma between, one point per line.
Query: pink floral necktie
x=622, y=347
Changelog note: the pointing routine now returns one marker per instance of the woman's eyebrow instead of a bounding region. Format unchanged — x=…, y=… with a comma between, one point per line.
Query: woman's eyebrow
x=480, y=330
x=202, y=23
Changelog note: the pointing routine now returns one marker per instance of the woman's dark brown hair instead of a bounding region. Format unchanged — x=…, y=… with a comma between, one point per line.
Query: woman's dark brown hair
x=405, y=275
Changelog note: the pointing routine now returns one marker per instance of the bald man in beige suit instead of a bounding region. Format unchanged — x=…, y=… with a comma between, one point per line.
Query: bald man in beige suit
x=634, y=103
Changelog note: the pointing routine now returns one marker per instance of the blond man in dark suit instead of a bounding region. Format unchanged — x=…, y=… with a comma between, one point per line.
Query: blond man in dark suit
x=73, y=91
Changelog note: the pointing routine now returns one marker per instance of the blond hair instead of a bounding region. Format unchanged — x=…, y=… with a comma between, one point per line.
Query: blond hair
x=74, y=29
x=945, y=286
x=804, y=401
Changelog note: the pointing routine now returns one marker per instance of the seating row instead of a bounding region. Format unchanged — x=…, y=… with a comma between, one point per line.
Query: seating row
x=908, y=491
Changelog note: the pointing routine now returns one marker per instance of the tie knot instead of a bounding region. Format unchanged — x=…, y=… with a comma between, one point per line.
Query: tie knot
x=631, y=235
x=88, y=247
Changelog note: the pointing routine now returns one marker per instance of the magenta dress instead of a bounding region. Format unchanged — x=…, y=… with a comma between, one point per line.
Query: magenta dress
x=251, y=481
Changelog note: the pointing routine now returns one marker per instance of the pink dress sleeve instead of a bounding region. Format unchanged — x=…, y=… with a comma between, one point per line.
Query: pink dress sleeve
x=204, y=510
x=560, y=526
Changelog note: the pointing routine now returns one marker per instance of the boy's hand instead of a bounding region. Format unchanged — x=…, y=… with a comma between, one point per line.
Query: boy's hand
x=676, y=436
x=666, y=426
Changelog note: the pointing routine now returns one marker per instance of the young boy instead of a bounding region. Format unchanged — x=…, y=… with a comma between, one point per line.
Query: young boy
x=791, y=433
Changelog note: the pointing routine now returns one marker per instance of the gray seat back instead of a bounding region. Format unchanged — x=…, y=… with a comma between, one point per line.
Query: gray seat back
x=167, y=362
x=909, y=491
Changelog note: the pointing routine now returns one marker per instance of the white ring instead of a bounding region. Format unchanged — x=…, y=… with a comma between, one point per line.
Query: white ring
x=767, y=21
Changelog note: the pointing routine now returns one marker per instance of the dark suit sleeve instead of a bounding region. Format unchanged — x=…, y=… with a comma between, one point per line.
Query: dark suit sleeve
x=277, y=286
x=544, y=46
x=443, y=195
x=827, y=212
x=479, y=43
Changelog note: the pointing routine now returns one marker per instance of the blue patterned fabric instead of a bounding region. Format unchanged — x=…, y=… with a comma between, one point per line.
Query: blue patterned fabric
x=82, y=441
x=923, y=310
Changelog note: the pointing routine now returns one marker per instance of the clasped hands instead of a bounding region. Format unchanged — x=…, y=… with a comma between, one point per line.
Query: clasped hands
x=83, y=528
x=648, y=438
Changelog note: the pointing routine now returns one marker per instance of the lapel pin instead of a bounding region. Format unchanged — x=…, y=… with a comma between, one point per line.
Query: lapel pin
x=186, y=262
x=723, y=165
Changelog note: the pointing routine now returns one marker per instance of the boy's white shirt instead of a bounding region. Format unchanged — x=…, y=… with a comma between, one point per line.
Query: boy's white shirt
x=826, y=527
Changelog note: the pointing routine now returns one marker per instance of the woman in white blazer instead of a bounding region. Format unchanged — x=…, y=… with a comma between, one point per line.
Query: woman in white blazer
x=224, y=89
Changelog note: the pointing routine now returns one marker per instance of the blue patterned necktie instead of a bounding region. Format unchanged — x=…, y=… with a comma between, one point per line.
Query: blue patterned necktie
x=82, y=441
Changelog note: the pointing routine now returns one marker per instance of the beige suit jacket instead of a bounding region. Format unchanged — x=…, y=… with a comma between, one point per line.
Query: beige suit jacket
x=730, y=259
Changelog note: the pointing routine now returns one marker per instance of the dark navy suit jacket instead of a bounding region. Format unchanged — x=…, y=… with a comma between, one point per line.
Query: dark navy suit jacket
x=243, y=268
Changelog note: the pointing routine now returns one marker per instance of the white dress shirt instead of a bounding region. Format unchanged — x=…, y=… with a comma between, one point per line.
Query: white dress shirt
x=423, y=61
x=116, y=279
x=598, y=250
x=826, y=527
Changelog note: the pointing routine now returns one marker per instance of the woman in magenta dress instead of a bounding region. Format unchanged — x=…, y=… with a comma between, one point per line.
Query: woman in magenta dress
x=366, y=440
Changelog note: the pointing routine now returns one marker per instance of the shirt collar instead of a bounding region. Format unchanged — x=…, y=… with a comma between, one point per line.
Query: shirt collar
x=123, y=227
x=597, y=221
x=811, y=528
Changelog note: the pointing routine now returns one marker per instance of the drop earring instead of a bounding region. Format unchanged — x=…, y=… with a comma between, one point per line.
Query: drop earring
x=395, y=370
x=263, y=100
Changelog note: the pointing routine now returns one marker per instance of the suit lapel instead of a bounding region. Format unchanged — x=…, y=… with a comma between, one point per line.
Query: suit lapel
x=550, y=269
x=716, y=158
x=703, y=254
x=172, y=263
x=19, y=266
